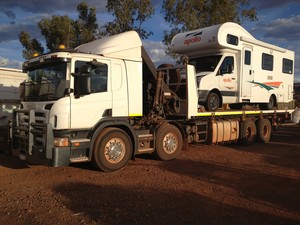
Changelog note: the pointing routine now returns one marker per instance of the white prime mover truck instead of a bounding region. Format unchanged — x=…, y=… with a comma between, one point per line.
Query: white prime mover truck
x=232, y=67
x=106, y=102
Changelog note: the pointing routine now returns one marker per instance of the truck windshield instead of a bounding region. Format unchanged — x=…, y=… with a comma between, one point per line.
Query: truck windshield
x=45, y=83
x=205, y=64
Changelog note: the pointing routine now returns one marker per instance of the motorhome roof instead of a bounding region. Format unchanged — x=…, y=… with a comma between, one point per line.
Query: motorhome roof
x=125, y=45
x=215, y=37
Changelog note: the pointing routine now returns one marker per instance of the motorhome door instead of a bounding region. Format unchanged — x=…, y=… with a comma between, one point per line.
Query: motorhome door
x=228, y=77
x=247, y=73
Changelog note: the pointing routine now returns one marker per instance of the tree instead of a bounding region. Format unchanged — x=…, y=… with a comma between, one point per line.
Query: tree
x=86, y=27
x=184, y=15
x=129, y=15
x=31, y=45
x=59, y=30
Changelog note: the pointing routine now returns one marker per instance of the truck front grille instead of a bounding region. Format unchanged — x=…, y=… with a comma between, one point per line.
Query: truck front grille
x=31, y=133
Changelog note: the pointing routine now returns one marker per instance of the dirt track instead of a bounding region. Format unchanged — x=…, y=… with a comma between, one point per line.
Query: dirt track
x=230, y=184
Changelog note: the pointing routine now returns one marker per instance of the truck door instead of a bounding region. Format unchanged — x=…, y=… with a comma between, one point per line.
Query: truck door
x=87, y=110
x=228, y=77
x=247, y=73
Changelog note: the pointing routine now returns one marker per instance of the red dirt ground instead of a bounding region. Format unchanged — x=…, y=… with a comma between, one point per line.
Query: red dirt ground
x=219, y=184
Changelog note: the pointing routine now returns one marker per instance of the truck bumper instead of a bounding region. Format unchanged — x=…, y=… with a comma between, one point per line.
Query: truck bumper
x=61, y=156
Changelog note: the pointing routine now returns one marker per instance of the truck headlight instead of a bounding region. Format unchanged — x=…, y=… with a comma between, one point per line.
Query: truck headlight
x=61, y=142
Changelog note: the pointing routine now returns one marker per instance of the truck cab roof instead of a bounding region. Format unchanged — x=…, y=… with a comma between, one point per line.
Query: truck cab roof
x=126, y=45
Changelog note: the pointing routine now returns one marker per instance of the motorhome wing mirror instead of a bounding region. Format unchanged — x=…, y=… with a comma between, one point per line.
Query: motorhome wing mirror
x=229, y=69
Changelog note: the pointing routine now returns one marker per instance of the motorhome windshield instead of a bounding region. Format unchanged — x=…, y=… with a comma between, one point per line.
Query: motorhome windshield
x=205, y=64
x=45, y=83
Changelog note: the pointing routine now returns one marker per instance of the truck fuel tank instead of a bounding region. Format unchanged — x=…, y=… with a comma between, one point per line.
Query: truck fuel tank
x=224, y=131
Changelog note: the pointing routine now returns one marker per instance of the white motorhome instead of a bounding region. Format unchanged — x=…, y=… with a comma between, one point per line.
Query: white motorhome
x=232, y=67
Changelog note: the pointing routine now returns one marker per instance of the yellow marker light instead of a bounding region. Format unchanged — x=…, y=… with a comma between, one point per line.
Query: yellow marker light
x=61, y=142
x=61, y=47
x=35, y=54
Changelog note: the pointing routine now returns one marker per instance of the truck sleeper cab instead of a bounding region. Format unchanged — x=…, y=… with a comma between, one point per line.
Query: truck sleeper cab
x=234, y=68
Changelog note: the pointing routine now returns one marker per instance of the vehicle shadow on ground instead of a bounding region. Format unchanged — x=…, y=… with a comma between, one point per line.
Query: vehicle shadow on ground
x=283, y=150
x=12, y=162
x=113, y=204
x=262, y=187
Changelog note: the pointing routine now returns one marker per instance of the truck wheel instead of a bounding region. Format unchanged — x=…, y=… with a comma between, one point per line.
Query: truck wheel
x=212, y=102
x=248, y=132
x=270, y=105
x=168, y=142
x=264, y=130
x=112, y=150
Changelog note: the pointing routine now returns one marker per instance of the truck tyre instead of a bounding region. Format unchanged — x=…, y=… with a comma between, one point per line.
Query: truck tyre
x=248, y=132
x=112, y=150
x=270, y=105
x=212, y=102
x=264, y=130
x=168, y=143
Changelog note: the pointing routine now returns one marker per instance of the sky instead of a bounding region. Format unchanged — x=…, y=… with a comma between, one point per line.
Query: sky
x=278, y=23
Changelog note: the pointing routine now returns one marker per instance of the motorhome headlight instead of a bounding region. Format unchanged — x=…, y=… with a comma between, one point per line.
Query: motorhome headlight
x=61, y=142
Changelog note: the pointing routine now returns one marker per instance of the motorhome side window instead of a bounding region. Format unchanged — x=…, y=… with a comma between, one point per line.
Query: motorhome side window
x=287, y=66
x=233, y=40
x=247, y=57
x=98, y=75
x=267, y=62
x=227, y=65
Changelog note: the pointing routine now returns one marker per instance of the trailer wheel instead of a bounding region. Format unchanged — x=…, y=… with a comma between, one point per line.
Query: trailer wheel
x=248, y=132
x=212, y=102
x=168, y=142
x=270, y=105
x=112, y=150
x=264, y=130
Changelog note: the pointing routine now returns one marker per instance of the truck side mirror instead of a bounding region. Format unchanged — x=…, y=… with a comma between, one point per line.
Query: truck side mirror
x=82, y=81
x=82, y=85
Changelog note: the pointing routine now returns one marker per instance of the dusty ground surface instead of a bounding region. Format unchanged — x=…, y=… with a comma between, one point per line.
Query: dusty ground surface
x=229, y=184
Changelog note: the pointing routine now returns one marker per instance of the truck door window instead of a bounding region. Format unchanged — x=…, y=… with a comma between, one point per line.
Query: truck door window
x=227, y=65
x=98, y=76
